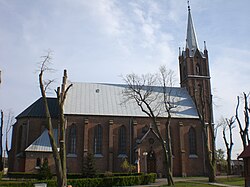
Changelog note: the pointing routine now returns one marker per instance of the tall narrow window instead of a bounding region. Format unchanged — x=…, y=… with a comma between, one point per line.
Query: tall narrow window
x=172, y=140
x=98, y=139
x=192, y=141
x=122, y=140
x=19, y=140
x=198, y=69
x=38, y=162
x=72, y=139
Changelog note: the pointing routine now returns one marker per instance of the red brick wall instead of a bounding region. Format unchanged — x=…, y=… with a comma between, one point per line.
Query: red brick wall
x=183, y=164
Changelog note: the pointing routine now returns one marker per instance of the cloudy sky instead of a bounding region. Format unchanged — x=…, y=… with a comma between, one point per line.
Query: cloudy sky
x=100, y=40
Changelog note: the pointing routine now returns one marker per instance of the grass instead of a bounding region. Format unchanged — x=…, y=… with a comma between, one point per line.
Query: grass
x=234, y=181
x=237, y=181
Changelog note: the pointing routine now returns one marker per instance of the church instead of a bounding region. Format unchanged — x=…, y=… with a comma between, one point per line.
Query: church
x=98, y=122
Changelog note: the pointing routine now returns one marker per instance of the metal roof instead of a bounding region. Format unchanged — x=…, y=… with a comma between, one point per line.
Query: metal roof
x=191, y=36
x=37, y=109
x=108, y=99
x=42, y=143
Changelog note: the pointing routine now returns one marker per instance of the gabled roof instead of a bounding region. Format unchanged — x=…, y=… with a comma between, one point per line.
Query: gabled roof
x=108, y=99
x=42, y=143
x=245, y=153
x=37, y=109
x=150, y=130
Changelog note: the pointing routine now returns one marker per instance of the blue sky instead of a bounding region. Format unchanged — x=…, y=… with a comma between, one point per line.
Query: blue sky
x=99, y=40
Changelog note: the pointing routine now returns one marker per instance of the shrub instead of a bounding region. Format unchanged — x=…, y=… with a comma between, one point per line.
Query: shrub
x=44, y=171
x=22, y=175
x=91, y=182
x=74, y=176
x=89, y=166
x=108, y=174
x=126, y=166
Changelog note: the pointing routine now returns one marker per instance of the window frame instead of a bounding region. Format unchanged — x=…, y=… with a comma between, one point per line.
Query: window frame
x=192, y=140
x=122, y=143
x=98, y=136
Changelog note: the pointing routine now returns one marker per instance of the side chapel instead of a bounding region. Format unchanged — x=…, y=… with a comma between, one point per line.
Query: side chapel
x=98, y=123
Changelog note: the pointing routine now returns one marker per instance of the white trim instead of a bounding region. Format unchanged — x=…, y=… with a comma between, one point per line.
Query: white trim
x=71, y=155
x=193, y=156
x=98, y=156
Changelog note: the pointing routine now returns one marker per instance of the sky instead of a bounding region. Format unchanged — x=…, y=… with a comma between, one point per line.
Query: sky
x=100, y=40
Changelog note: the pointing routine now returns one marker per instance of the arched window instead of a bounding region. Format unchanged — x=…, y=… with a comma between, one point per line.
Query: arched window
x=172, y=140
x=198, y=69
x=192, y=141
x=98, y=139
x=184, y=72
x=19, y=140
x=122, y=140
x=38, y=162
x=72, y=139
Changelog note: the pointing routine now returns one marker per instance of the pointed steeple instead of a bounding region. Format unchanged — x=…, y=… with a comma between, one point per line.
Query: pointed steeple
x=191, y=36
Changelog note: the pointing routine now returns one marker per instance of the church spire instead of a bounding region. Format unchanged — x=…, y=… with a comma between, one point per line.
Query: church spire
x=191, y=36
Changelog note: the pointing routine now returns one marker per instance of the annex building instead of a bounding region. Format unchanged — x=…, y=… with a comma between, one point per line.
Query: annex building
x=99, y=122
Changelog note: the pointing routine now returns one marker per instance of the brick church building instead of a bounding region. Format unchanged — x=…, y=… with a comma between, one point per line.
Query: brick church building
x=99, y=122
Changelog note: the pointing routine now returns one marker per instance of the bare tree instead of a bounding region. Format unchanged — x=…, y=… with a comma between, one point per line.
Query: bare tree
x=142, y=89
x=9, y=124
x=203, y=102
x=59, y=158
x=228, y=126
x=1, y=142
x=243, y=129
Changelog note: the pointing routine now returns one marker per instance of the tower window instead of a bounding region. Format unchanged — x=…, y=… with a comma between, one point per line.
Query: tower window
x=184, y=73
x=98, y=139
x=198, y=69
x=192, y=141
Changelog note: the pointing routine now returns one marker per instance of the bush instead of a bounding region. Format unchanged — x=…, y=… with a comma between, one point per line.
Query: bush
x=1, y=175
x=22, y=175
x=149, y=178
x=126, y=166
x=89, y=166
x=74, y=176
x=91, y=182
x=44, y=171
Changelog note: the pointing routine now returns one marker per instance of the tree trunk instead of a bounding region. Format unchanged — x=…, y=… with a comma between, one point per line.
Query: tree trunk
x=229, y=169
x=166, y=156
x=1, y=142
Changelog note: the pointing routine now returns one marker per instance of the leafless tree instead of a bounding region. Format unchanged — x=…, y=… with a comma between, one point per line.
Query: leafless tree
x=143, y=90
x=243, y=127
x=204, y=105
x=59, y=157
x=1, y=142
x=9, y=124
x=228, y=125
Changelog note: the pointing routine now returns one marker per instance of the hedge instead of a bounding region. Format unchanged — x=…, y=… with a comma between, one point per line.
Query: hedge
x=21, y=175
x=93, y=182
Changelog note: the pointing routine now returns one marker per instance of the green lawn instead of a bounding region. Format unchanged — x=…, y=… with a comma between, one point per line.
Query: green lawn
x=235, y=181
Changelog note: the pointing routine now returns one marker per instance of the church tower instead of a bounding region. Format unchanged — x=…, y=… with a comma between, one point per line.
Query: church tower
x=194, y=72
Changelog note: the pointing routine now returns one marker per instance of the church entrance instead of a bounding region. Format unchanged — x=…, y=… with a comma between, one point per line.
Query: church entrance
x=151, y=162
